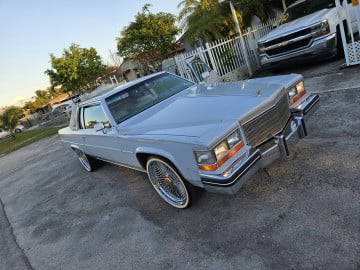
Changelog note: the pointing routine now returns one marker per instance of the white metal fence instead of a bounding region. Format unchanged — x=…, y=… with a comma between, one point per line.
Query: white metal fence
x=233, y=59
x=351, y=43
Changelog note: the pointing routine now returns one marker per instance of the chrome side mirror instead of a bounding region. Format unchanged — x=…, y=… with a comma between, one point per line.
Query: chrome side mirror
x=99, y=126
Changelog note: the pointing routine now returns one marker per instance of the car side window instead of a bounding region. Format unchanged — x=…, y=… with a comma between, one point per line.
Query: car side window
x=90, y=115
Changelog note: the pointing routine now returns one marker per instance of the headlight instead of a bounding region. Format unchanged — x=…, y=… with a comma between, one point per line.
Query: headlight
x=296, y=92
x=261, y=48
x=221, y=150
x=233, y=139
x=205, y=157
x=211, y=160
x=292, y=93
x=320, y=29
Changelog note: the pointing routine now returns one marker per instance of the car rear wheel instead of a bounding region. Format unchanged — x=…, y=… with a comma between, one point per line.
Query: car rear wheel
x=86, y=161
x=168, y=183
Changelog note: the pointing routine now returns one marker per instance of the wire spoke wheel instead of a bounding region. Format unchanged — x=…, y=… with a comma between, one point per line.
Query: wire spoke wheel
x=168, y=183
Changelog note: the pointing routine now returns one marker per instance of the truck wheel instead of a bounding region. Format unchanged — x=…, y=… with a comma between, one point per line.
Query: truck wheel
x=168, y=183
x=86, y=161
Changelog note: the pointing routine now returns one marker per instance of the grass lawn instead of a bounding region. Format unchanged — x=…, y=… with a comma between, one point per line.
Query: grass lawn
x=25, y=138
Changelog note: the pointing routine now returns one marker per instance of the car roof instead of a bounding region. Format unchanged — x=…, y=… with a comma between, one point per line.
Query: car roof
x=129, y=84
x=120, y=88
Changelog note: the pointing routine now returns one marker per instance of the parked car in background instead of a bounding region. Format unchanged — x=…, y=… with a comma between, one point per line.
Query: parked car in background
x=57, y=111
x=5, y=134
x=187, y=135
x=60, y=108
x=307, y=30
x=19, y=128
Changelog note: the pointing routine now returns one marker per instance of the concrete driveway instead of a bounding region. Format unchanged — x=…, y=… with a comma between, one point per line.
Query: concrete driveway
x=301, y=213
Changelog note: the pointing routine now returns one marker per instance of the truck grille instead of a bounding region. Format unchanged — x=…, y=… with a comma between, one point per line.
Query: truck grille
x=291, y=45
x=291, y=36
x=268, y=124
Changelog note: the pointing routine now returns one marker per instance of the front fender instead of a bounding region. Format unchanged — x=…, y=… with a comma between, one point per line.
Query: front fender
x=76, y=147
x=183, y=164
x=149, y=151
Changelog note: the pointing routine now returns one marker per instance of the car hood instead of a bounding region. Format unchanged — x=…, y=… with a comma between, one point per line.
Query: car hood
x=203, y=112
x=295, y=25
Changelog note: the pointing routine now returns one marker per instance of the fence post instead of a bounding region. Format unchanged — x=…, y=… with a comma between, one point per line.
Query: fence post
x=342, y=30
x=213, y=63
x=201, y=53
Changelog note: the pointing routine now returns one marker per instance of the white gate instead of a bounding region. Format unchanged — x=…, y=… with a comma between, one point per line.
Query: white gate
x=351, y=44
x=233, y=59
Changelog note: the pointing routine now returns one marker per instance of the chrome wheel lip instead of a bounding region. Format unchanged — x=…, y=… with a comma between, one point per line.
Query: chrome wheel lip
x=83, y=160
x=167, y=183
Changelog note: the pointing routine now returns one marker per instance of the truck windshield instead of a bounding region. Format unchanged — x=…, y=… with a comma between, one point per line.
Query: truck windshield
x=144, y=95
x=305, y=8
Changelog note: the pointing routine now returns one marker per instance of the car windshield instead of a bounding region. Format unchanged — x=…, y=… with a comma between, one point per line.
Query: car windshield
x=305, y=8
x=144, y=95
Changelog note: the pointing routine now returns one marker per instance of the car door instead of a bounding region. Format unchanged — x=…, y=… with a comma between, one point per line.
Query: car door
x=98, y=143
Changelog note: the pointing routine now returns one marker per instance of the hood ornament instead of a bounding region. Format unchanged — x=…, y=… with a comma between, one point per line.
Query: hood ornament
x=258, y=92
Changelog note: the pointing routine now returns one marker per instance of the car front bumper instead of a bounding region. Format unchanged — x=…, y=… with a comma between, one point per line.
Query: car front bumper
x=323, y=47
x=261, y=157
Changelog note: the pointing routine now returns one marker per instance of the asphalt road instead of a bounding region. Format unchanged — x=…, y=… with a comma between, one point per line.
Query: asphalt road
x=301, y=213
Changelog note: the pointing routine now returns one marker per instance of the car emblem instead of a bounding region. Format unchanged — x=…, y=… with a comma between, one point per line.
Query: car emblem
x=258, y=92
x=284, y=43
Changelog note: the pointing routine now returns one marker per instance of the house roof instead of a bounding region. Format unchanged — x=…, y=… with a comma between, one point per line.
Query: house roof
x=60, y=98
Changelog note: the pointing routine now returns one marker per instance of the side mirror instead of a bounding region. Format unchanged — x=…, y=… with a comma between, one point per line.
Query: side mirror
x=99, y=126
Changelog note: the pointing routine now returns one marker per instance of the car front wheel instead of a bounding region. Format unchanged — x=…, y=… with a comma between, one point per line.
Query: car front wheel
x=168, y=183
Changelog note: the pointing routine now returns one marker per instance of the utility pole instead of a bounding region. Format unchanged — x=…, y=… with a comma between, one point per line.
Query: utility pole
x=238, y=30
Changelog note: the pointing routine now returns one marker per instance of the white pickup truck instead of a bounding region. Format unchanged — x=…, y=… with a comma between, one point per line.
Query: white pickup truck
x=308, y=29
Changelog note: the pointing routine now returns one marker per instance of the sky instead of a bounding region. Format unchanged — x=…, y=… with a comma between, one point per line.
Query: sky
x=31, y=30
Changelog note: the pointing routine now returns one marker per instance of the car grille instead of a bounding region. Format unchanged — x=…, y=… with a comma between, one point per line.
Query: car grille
x=268, y=124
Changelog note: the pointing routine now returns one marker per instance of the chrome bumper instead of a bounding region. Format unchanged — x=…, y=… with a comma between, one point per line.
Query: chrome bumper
x=323, y=46
x=266, y=153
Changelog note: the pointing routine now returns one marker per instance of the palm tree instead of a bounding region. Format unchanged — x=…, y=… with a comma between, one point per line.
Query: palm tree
x=210, y=20
x=10, y=117
x=42, y=94
x=263, y=9
x=204, y=19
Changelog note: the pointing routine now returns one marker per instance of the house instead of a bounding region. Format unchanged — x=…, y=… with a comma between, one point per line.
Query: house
x=131, y=69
